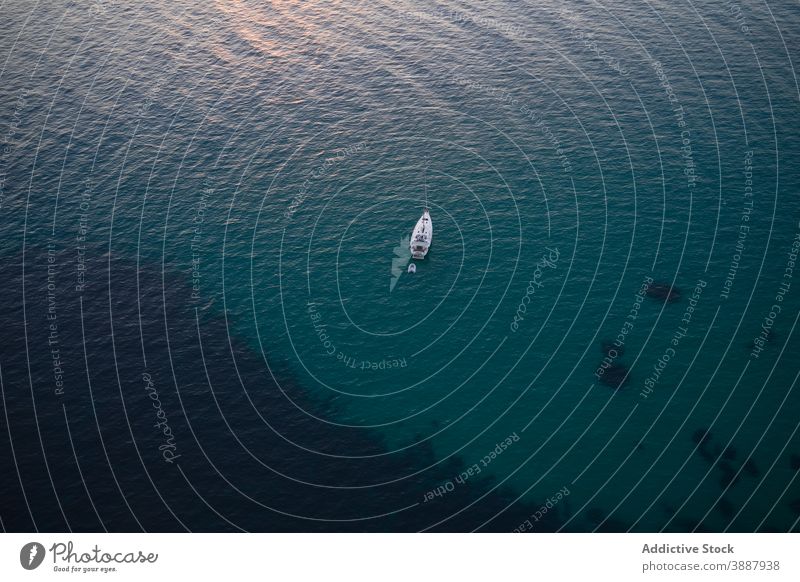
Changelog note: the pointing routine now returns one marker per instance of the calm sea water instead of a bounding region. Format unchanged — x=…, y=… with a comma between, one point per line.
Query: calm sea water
x=207, y=320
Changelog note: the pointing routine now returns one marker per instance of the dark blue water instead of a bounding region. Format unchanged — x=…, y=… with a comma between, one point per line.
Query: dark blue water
x=207, y=323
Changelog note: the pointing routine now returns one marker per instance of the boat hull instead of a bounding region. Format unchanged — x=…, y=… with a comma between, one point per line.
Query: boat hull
x=421, y=236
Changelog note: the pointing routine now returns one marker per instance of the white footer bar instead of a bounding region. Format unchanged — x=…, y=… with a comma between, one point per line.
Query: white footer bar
x=400, y=557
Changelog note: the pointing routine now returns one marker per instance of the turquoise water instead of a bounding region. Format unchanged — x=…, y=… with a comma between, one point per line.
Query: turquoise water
x=265, y=162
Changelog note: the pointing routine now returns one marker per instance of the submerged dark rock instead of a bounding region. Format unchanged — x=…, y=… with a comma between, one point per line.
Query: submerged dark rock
x=616, y=376
x=725, y=507
x=729, y=476
x=712, y=454
x=664, y=292
x=701, y=436
x=794, y=462
x=607, y=346
x=750, y=468
x=595, y=515
x=729, y=454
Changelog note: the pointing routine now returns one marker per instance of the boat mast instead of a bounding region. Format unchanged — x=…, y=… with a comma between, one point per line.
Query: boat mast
x=425, y=179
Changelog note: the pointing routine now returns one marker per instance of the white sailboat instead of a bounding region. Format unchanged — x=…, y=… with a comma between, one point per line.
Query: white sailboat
x=422, y=236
